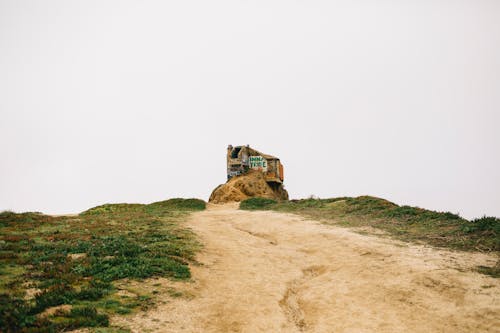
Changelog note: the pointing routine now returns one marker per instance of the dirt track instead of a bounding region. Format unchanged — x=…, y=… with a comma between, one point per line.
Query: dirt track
x=272, y=272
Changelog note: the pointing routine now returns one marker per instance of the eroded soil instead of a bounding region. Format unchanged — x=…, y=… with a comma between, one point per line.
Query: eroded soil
x=274, y=272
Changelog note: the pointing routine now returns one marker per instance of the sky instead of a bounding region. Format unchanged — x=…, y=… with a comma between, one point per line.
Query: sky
x=136, y=101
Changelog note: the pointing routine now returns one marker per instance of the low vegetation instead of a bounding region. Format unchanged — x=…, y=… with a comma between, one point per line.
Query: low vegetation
x=257, y=203
x=60, y=273
x=442, y=229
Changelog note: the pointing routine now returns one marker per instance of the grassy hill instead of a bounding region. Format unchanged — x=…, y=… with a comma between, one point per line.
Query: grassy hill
x=77, y=261
x=64, y=272
x=442, y=229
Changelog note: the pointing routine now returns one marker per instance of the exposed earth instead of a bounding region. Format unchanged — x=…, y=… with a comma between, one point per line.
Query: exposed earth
x=248, y=185
x=273, y=272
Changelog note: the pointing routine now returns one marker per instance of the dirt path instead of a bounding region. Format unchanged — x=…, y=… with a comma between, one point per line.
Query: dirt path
x=272, y=272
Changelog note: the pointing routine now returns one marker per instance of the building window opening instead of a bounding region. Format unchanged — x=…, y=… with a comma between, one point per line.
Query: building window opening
x=235, y=152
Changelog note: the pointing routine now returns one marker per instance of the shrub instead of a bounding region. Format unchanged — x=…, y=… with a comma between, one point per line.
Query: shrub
x=112, y=208
x=176, y=204
x=95, y=290
x=14, y=314
x=484, y=223
x=257, y=203
x=53, y=296
x=85, y=317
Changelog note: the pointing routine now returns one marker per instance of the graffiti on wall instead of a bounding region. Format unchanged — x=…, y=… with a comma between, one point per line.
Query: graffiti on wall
x=258, y=162
x=233, y=173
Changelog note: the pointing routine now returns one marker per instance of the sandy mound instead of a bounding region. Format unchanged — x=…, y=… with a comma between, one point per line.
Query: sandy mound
x=252, y=184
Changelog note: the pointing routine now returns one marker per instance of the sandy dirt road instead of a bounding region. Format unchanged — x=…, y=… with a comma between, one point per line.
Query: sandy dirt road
x=273, y=272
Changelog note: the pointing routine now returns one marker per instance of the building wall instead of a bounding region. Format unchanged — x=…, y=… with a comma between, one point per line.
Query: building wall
x=248, y=158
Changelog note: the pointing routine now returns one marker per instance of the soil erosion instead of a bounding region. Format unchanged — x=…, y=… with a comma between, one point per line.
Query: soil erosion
x=274, y=272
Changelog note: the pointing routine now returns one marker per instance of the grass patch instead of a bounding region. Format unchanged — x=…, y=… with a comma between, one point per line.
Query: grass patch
x=257, y=203
x=443, y=229
x=76, y=260
x=493, y=271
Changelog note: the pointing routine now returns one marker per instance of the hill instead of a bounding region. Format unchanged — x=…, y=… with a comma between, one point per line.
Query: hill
x=63, y=272
x=142, y=267
x=408, y=223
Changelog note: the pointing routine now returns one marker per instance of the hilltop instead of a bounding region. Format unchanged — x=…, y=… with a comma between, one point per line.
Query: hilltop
x=271, y=265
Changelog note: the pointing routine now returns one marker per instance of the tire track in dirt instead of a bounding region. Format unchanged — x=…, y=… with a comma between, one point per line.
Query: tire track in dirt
x=274, y=272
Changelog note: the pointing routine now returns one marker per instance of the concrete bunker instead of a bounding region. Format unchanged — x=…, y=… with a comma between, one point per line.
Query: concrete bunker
x=250, y=173
x=241, y=159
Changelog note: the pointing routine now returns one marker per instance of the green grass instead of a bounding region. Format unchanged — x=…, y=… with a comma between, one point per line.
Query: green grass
x=443, y=229
x=76, y=260
x=256, y=203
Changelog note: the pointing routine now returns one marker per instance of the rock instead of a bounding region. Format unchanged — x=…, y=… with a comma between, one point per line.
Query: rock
x=249, y=185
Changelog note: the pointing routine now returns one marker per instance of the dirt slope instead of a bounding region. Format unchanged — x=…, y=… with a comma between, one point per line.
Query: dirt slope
x=251, y=184
x=272, y=272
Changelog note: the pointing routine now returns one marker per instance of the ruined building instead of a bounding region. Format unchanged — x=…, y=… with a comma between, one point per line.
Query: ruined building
x=240, y=159
x=250, y=173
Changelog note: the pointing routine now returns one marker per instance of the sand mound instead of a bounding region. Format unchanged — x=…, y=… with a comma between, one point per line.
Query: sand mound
x=251, y=184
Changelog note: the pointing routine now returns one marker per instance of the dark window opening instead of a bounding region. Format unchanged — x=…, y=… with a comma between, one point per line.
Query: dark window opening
x=235, y=152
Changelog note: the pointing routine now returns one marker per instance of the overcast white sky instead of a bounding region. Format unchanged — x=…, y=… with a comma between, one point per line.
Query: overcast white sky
x=136, y=101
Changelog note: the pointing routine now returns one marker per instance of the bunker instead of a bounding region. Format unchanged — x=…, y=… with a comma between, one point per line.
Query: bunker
x=250, y=174
x=241, y=159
